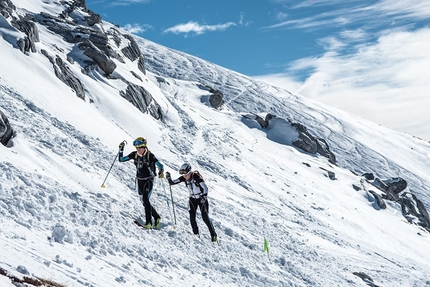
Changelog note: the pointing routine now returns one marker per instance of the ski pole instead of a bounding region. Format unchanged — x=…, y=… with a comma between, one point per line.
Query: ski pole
x=167, y=199
x=173, y=204
x=114, y=160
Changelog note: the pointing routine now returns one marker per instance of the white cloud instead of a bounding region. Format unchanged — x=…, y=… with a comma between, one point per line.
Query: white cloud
x=137, y=28
x=386, y=82
x=128, y=2
x=198, y=29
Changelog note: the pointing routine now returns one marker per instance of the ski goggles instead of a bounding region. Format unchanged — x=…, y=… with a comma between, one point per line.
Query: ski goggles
x=183, y=171
x=139, y=143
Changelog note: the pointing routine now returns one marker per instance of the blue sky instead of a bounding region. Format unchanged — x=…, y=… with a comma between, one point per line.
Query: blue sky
x=375, y=51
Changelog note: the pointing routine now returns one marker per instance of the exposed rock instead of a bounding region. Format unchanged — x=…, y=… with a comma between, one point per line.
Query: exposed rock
x=369, y=176
x=313, y=145
x=103, y=61
x=6, y=8
x=142, y=99
x=414, y=211
x=141, y=65
x=6, y=131
x=264, y=123
x=379, y=200
x=63, y=72
x=366, y=278
x=132, y=51
x=216, y=99
x=306, y=141
x=136, y=75
x=27, y=26
x=93, y=18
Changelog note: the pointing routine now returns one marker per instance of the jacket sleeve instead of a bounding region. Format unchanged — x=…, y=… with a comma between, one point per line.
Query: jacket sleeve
x=176, y=181
x=123, y=158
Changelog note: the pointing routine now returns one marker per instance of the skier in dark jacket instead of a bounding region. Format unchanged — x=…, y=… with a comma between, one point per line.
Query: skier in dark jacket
x=198, y=197
x=145, y=163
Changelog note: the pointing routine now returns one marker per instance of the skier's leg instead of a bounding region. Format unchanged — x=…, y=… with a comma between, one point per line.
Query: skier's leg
x=204, y=209
x=143, y=187
x=192, y=207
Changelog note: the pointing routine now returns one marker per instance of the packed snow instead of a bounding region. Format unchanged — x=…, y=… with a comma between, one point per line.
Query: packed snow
x=58, y=223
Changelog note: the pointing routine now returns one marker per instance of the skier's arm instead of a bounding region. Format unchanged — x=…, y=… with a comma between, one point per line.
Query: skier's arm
x=174, y=181
x=123, y=158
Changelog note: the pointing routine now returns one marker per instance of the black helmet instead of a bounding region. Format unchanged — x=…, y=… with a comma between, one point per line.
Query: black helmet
x=185, y=168
x=139, y=142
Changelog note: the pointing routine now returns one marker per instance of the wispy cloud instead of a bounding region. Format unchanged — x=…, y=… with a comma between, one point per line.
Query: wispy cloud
x=384, y=81
x=196, y=28
x=137, y=28
x=242, y=21
x=127, y=2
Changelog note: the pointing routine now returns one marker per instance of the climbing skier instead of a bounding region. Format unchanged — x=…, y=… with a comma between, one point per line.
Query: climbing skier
x=198, y=197
x=145, y=162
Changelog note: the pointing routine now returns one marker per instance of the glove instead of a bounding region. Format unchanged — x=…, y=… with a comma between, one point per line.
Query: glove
x=168, y=175
x=204, y=198
x=161, y=174
x=121, y=145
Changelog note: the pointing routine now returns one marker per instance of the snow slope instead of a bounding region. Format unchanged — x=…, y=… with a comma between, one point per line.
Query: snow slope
x=58, y=223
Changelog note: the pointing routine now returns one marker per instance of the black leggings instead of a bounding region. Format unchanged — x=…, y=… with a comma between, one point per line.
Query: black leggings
x=145, y=190
x=204, y=209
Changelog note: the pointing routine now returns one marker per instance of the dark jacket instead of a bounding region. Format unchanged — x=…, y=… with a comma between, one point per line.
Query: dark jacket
x=145, y=165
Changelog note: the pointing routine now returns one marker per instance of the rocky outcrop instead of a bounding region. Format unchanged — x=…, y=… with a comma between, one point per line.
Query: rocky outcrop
x=98, y=56
x=264, y=123
x=414, y=211
x=216, y=98
x=311, y=144
x=305, y=141
x=142, y=99
x=393, y=189
x=27, y=25
x=6, y=131
x=63, y=72
x=6, y=8
x=79, y=26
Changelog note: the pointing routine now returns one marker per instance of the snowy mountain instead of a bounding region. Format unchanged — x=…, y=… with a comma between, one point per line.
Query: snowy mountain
x=73, y=87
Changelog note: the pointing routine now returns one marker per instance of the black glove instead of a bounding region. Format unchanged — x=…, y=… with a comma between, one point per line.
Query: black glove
x=168, y=175
x=121, y=145
x=161, y=174
x=203, y=199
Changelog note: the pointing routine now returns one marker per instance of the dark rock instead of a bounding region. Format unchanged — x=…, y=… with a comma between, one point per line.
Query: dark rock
x=379, y=200
x=93, y=18
x=216, y=99
x=369, y=176
x=6, y=8
x=366, y=278
x=6, y=131
x=27, y=26
x=63, y=72
x=136, y=75
x=102, y=60
x=414, y=211
x=264, y=123
x=356, y=187
x=142, y=99
x=132, y=51
x=141, y=65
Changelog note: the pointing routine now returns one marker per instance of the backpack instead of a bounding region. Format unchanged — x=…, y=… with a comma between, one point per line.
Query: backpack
x=196, y=182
